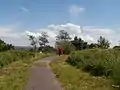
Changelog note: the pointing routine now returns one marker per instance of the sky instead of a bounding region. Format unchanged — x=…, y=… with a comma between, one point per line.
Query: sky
x=87, y=19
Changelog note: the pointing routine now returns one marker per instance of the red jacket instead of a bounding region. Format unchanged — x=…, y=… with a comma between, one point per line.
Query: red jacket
x=60, y=50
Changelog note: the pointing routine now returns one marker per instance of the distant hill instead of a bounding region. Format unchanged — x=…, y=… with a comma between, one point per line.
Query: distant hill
x=23, y=47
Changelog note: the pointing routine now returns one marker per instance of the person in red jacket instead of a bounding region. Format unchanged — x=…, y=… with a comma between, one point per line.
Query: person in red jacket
x=60, y=51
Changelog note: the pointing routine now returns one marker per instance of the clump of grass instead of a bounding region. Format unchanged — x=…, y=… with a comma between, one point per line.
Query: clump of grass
x=15, y=80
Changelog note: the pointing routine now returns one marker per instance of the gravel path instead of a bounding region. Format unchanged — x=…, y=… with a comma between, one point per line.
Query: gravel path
x=42, y=78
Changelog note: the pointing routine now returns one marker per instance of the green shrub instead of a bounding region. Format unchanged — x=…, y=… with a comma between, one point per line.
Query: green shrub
x=98, y=62
x=67, y=46
x=14, y=55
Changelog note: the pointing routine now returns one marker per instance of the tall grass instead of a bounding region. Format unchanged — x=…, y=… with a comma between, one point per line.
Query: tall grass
x=98, y=62
x=15, y=75
x=14, y=55
x=72, y=78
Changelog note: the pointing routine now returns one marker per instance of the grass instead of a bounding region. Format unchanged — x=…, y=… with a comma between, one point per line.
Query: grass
x=72, y=78
x=10, y=56
x=15, y=75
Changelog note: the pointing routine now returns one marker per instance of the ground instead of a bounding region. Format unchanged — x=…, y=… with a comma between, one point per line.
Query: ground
x=51, y=73
x=41, y=76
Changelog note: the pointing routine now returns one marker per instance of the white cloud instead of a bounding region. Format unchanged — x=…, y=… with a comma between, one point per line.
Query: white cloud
x=9, y=35
x=24, y=9
x=111, y=34
x=32, y=34
x=75, y=9
x=8, y=32
x=88, y=38
x=22, y=41
x=72, y=29
x=88, y=33
x=98, y=31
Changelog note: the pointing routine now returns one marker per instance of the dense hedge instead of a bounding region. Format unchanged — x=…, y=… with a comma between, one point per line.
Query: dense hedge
x=14, y=55
x=98, y=62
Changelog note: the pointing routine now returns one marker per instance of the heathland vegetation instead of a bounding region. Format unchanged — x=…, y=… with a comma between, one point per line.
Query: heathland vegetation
x=84, y=63
x=87, y=66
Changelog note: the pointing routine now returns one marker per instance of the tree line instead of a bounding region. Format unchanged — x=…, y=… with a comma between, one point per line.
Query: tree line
x=64, y=40
x=81, y=44
x=40, y=43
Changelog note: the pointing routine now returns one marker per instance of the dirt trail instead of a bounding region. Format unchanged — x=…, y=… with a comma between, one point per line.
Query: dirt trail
x=42, y=78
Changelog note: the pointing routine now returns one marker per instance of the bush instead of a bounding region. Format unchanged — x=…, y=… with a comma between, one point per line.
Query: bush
x=116, y=47
x=98, y=62
x=4, y=46
x=67, y=47
x=14, y=55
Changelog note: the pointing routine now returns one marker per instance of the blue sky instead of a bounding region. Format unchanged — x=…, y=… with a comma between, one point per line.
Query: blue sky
x=44, y=12
x=35, y=14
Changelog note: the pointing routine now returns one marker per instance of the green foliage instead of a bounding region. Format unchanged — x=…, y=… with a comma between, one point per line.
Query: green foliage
x=33, y=41
x=79, y=43
x=14, y=55
x=15, y=75
x=98, y=62
x=66, y=46
x=93, y=45
x=63, y=41
x=103, y=43
x=63, y=35
x=39, y=41
x=43, y=39
x=72, y=78
x=4, y=46
x=116, y=47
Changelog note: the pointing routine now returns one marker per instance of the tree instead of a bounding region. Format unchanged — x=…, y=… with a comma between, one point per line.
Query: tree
x=93, y=45
x=103, y=43
x=85, y=45
x=63, y=35
x=75, y=42
x=33, y=40
x=10, y=46
x=79, y=43
x=63, y=40
x=43, y=40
